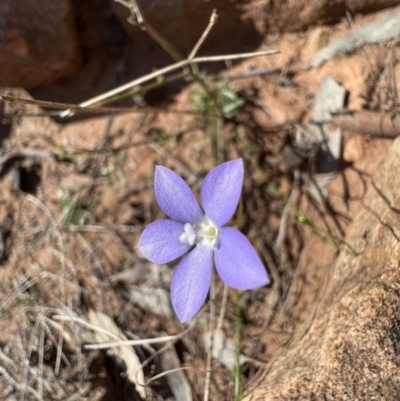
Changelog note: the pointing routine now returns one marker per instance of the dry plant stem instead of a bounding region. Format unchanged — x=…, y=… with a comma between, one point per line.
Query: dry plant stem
x=201, y=80
x=54, y=341
x=178, y=337
x=162, y=81
x=381, y=124
x=350, y=19
x=165, y=374
x=283, y=224
x=93, y=110
x=134, y=8
x=119, y=341
x=84, y=323
x=131, y=342
x=209, y=352
x=174, y=53
x=213, y=20
x=181, y=64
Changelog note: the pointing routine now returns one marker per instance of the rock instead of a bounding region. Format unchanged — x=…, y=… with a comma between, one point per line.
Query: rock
x=38, y=42
x=353, y=149
x=382, y=29
x=349, y=347
x=297, y=15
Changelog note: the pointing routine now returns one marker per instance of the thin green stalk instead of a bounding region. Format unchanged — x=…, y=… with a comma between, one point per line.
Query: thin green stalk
x=326, y=236
x=238, y=348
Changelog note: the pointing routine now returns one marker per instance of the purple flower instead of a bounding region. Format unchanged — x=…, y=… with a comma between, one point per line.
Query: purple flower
x=203, y=234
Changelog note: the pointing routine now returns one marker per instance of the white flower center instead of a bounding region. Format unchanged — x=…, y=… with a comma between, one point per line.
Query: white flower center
x=205, y=232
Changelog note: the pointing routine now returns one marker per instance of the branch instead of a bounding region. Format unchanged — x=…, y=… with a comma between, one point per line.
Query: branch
x=93, y=109
x=165, y=70
x=213, y=20
x=368, y=122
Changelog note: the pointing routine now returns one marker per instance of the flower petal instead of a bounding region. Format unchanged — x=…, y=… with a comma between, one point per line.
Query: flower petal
x=175, y=197
x=237, y=262
x=191, y=282
x=220, y=192
x=160, y=242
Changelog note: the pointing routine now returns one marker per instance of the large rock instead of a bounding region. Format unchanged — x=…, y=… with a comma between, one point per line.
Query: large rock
x=349, y=349
x=297, y=15
x=38, y=42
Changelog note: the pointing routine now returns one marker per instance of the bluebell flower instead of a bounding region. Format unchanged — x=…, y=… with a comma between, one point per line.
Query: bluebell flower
x=202, y=235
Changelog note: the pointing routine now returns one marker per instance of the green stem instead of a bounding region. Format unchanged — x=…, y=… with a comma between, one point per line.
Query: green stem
x=238, y=348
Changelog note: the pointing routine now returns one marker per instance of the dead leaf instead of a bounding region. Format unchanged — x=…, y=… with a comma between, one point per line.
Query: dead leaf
x=125, y=353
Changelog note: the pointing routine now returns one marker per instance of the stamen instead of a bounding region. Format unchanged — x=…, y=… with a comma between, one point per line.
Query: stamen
x=188, y=235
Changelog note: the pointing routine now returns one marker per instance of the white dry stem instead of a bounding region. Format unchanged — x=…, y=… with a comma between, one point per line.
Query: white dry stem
x=123, y=354
x=172, y=343
x=154, y=378
x=91, y=110
x=165, y=70
x=89, y=105
x=196, y=48
x=55, y=343
x=84, y=323
x=114, y=344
